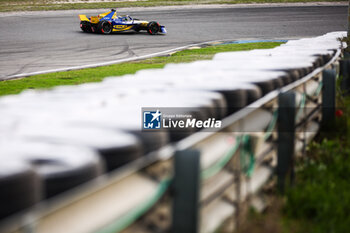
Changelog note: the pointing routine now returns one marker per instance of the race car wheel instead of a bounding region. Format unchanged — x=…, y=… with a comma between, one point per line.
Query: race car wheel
x=105, y=27
x=85, y=26
x=153, y=28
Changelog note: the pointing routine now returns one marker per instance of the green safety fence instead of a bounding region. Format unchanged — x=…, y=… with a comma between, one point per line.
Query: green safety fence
x=318, y=90
x=130, y=217
x=271, y=125
x=301, y=106
x=247, y=162
x=221, y=163
x=247, y=158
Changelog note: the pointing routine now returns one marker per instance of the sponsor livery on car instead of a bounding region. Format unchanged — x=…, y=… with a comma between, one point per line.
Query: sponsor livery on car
x=109, y=22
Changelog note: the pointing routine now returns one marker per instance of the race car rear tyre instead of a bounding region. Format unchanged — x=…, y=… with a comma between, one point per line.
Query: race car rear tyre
x=85, y=26
x=105, y=27
x=153, y=27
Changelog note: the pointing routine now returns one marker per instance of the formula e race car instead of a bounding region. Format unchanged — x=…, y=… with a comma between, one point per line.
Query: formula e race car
x=109, y=22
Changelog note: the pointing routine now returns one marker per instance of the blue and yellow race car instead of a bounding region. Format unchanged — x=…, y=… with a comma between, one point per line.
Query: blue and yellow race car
x=109, y=22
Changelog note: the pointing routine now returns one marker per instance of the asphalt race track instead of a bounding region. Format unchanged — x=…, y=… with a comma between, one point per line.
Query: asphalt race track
x=42, y=41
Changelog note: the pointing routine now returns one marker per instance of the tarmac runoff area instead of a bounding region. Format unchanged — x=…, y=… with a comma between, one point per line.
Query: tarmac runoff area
x=51, y=41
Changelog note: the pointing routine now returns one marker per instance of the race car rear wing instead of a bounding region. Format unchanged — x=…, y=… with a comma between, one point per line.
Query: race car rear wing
x=83, y=18
x=95, y=19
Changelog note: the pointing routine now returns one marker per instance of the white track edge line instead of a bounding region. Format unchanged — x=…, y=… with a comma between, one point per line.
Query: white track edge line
x=143, y=57
x=166, y=52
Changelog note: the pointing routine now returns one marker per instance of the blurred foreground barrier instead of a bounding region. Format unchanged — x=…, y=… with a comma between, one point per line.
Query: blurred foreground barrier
x=165, y=180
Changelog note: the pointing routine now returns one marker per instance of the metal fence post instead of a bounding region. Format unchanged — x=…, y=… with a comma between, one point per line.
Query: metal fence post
x=345, y=73
x=349, y=19
x=346, y=55
x=286, y=138
x=328, y=98
x=186, y=191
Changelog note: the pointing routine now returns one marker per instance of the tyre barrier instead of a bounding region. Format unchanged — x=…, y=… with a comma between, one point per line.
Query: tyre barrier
x=20, y=186
x=115, y=148
x=266, y=80
x=115, y=120
x=60, y=168
x=237, y=95
x=246, y=90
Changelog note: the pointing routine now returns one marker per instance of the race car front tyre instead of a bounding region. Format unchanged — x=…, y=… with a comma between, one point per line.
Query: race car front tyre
x=85, y=26
x=153, y=27
x=104, y=27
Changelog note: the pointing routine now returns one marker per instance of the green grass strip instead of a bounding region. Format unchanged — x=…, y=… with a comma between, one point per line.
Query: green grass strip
x=46, y=81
